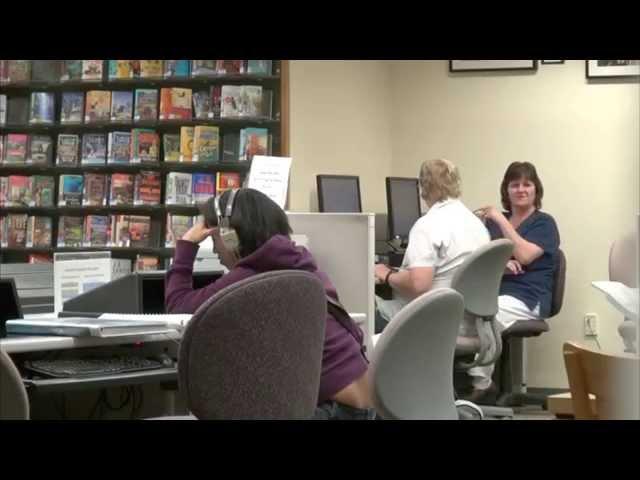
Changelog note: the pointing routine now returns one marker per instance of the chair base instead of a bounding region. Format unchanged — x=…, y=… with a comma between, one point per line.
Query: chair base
x=497, y=412
x=517, y=399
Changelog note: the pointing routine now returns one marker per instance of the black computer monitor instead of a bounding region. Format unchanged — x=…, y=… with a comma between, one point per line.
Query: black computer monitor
x=9, y=304
x=339, y=193
x=403, y=206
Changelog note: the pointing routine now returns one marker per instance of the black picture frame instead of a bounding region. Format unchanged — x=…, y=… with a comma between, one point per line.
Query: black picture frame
x=491, y=65
x=612, y=69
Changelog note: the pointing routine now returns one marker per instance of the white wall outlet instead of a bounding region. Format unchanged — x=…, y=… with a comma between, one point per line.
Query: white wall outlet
x=591, y=325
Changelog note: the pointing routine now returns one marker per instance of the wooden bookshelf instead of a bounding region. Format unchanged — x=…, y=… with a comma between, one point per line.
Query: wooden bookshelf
x=277, y=125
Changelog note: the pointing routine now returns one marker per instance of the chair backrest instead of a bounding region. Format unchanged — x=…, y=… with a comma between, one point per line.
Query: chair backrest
x=254, y=349
x=411, y=364
x=559, y=274
x=14, y=402
x=623, y=260
x=613, y=379
x=478, y=278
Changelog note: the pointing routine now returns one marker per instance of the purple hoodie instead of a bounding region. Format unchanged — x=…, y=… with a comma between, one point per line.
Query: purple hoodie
x=342, y=360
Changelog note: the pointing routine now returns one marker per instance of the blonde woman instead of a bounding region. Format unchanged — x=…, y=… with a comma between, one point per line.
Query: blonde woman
x=438, y=242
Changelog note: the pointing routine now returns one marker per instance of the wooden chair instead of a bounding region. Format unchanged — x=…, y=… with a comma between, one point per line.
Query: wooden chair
x=613, y=379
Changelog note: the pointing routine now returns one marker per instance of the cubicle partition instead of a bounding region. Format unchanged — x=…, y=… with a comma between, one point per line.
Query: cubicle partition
x=343, y=246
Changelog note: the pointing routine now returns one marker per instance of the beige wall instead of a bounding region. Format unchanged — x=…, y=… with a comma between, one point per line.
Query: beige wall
x=375, y=119
x=340, y=124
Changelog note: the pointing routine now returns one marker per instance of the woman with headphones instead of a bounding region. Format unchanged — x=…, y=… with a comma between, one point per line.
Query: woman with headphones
x=251, y=236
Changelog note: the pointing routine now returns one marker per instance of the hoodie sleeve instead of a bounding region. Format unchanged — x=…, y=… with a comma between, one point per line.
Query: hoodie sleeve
x=180, y=296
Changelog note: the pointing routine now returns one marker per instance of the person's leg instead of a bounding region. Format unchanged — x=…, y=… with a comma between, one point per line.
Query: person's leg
x=510, y=310
x=332, y=410
x=385, y=311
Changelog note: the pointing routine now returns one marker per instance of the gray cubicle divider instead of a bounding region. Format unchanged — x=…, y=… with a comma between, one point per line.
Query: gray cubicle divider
x=34, y=284
x=343, y=246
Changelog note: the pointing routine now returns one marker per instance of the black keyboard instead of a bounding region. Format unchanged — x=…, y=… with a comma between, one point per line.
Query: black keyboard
x=91, y=367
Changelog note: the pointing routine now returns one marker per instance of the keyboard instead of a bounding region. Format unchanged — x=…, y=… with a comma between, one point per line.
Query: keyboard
x=89, y=367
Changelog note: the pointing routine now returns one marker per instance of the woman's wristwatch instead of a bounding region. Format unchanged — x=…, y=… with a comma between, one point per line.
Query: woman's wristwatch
x=386, y=278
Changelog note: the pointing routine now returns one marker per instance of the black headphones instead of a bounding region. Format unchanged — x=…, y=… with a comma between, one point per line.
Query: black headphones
x=227, y=233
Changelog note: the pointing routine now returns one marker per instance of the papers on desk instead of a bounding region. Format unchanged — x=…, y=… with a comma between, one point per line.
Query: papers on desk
x=176, y=322
x=623, y=298
x=85, y=327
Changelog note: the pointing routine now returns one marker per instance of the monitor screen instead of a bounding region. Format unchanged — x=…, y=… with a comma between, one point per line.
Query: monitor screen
x=9, y=303
x=339, y=193
x=403, y=206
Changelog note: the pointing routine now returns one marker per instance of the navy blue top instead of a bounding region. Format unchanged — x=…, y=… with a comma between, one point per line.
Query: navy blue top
x=536, y=283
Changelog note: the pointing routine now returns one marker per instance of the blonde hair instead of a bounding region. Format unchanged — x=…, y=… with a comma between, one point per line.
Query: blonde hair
x=439, y=180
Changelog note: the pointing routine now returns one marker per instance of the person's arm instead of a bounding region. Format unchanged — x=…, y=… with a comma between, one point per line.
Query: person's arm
x=409, y=283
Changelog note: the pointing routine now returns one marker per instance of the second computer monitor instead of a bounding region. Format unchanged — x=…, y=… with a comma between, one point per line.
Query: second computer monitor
x=339, y=193
x=403, y=206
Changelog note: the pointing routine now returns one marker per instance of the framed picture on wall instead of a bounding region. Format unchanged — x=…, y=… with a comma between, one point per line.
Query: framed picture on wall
x=491, y=65
x=613, y=68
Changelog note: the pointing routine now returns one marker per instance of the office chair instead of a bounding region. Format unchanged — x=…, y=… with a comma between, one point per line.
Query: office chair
x=411, y=375
x=613, y=379
x=14, y=402
x=623, y=264
x=511, y=369
x=254, y=349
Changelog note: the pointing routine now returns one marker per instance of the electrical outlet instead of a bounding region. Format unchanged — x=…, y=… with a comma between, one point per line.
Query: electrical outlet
x=591, y=325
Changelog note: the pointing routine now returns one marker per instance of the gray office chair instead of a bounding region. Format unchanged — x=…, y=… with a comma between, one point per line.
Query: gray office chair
x=509, y=374
x=478, y=280
x=411, y=376
x=623, y=268
x=14, y=402
x=254, y=350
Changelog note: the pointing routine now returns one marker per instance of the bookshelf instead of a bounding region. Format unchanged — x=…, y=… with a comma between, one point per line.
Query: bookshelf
x=277, y=125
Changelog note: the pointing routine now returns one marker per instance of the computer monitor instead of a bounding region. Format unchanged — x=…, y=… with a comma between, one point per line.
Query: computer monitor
x=339, y=193
x=10, y=304
x=403, y=206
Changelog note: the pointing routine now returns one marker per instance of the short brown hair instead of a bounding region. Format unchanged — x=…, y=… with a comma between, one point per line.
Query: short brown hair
x=439, y=179
x=516, y=171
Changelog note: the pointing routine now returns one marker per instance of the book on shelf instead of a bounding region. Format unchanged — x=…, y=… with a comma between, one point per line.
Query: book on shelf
x=96, y=231
x=259, y=67
x=38, y=232
x=70, y=231
x=146, y=104
x=17, y=110
x=204, y=187
x=145, y=146
x=139, y=231
x=71, y=70
x=95, y=189
x=230, y=67
x=175, y=103
x=18, y=71
x=230, y=101
x=119, y=69
x=205, y=144
x=253, y=141
x=176, y=68
x=121, y=106
x=146, y=263
x=15, y=150
x=92, y=69
x=122, y=185
x=215, y=94
x=19, y=191
x=40, y=150
x=203, y=68
x=171, y=147
x=3, y=71
x=250, y=101
x=42, y=108
x=39, y=258
x=94, y=149
x=151, y=69
x=72, y=108
x=42, y=191
x=201, y=104
x=3, y=109
x=179, y=189
x=1, y=149
x=70, y=190
x=186, y=144
x=68, y=149
x=120, y=235
x=177, y=226
x=119, y=148
x=97, y=106
x=227, y=181
x=16, y=228
x=3, y=232
x=231, y=147
x=4, y=191
x=147, y=189
x=45, y=71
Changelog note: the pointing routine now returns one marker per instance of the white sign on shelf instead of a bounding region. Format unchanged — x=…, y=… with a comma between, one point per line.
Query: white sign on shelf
x=270, y=175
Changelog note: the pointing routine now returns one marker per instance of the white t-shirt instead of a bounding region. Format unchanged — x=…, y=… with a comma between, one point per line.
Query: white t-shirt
x=442, y=238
